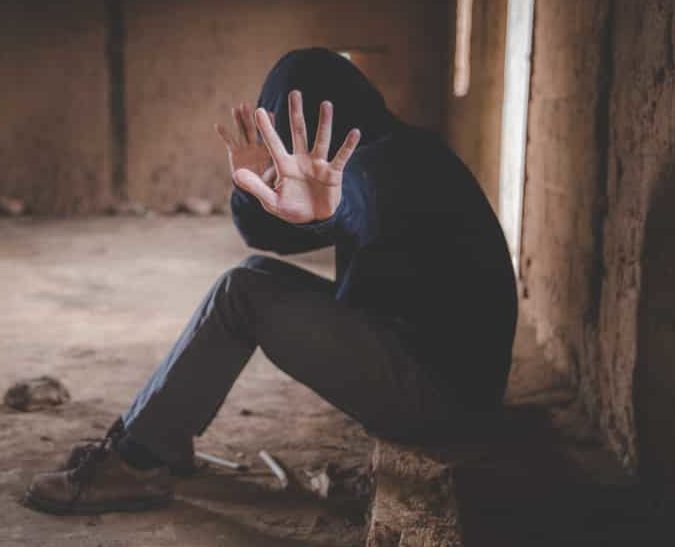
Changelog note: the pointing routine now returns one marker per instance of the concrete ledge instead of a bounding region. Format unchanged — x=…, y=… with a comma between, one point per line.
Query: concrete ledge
x=416, y=495
x=513, y=480
x=414, y=503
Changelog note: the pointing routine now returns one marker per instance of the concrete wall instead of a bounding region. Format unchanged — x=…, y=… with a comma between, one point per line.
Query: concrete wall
x=565, y=166
x=637, y=316
x=189, y=62
x=474, y=121
x=54, y=131
x=186, y=63
x=596, y=242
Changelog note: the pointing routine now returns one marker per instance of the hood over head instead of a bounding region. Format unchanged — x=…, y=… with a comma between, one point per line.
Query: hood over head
x=321, y=74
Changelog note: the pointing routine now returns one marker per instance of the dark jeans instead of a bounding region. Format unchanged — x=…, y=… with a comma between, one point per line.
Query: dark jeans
x=348, y=357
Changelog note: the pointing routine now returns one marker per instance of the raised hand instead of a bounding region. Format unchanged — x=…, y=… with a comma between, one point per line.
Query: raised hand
x=307, y=186
x=247, y=151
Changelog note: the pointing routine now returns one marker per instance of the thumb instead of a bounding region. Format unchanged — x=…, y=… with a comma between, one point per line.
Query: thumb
x=250, y=182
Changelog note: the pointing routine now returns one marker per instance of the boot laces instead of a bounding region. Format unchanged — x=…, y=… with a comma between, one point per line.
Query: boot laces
x=86, y=457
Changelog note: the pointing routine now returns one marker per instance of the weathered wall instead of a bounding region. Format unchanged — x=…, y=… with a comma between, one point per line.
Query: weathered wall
x=597, y=239
x=637, y=316
x=54, y=112
x=565, y=166
x=188, y=62
x=474, y=121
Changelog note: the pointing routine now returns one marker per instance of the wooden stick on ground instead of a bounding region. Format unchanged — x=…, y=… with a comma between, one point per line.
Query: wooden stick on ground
x=221, y=462
x=275, y=467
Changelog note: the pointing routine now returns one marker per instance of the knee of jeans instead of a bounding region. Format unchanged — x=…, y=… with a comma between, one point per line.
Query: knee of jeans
x=233, y=281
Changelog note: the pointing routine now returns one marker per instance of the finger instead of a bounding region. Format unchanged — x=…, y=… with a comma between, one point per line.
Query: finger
x=297, y=122
x=346, y=150
x=270, y=136
x=249, y=123
x=239, y=120
x=269, y=176
x=254, y=185
x=323, y=131
x=229, y=141
x=273, y=119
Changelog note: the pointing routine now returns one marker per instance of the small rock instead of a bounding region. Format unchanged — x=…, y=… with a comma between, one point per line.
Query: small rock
x=36, y=393
x=196, y=206
x=127, y=208
x=341, y=483
x=11, y=206
x=221, y=209
x=321, y=484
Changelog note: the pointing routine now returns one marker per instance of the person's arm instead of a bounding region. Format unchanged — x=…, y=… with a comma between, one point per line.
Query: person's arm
x=258, y=228
x=296, y=203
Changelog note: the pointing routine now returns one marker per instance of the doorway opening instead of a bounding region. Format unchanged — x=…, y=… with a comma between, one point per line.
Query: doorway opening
x=514, y=121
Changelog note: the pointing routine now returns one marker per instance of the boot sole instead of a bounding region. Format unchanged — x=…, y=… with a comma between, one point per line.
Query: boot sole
x=60, y=508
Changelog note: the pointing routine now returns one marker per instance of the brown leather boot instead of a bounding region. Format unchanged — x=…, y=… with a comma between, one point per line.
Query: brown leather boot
x=79, y=450
x=186, y=468
x=99, y=482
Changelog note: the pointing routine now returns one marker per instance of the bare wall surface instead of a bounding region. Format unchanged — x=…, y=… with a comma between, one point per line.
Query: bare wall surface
x=189, y=62
x=637, y=316
x=474, y=121
x=564, y=169
x=596, y=242
x=54, y=112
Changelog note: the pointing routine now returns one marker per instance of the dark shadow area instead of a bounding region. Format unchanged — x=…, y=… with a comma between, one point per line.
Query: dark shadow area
x=654, y=375
x=535, y=490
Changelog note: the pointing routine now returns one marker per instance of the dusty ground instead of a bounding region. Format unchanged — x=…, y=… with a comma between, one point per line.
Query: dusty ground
x=97, y=303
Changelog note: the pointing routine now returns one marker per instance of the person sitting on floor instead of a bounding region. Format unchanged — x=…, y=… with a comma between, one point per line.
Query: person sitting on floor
x=413, y=339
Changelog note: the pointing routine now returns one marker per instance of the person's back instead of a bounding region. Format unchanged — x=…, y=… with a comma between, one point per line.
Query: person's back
x=437, y=261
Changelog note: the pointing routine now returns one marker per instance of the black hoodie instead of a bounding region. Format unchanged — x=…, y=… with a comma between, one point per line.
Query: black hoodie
x=417, y=243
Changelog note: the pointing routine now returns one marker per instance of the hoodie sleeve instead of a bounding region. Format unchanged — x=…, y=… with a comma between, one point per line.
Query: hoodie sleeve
x=264, y=231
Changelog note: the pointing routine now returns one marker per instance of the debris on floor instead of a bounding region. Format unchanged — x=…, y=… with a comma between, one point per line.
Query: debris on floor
x=196, y=206
x=36, y=393
x=11, y=206
x=275, y=467
x=220, y=462
x=335, y=481
x=127, y=208
x=320, y=483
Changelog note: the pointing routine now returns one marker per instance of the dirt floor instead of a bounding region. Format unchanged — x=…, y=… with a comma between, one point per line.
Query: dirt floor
x=97, y=303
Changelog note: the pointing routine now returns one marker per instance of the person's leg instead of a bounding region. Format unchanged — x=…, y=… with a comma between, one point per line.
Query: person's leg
x=344, y=355
x=184, y=393
x=349, y=358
